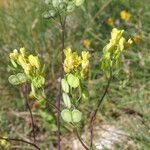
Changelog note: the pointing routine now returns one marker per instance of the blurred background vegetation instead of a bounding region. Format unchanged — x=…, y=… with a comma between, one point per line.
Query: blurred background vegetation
x=126, y=107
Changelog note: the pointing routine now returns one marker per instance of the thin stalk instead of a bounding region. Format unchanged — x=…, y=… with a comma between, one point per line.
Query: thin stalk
x=53, y=105
x=62, y=23
x=80, y=139
x=20, y=140
x=96, y=110
x=32, y=121
x=30, y=111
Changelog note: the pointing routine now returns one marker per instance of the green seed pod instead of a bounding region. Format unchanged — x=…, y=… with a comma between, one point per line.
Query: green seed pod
x=66, y=115
x=78, y=2
x=13, y=80
x=48, y=2
x=52, y=13
x=73, y=81
x=22, y=77
x=62, y=6
x=66, y=100
x=70, y=7
x=55, y=3
x=65, y=86
x=76, y=116
x=46, y=15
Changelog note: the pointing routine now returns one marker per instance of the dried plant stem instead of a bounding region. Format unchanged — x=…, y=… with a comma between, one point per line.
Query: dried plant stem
x=20, y=140
x=96, y=110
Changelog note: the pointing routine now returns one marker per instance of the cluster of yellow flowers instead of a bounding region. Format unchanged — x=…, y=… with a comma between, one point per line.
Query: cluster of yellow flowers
x=28, y=63
x=73, y=61
x=112, y=51
x=27, y=68
x=117, y=41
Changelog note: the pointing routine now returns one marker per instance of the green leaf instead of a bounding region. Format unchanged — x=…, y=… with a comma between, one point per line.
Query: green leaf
x=14, y=63
x=65, y=86
x=13, y=79
x=76, y=116
x=66, y=115
x=66, y=100
x=73, y=81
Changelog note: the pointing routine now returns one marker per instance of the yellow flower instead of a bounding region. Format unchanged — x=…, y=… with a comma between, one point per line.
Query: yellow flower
x=23, y=51
x=85, y=63
x=14, y=55
x=4, y=143
x=72, y=60
x=137, y=38
x=110, y=21
x=121, y=43
x=116, y=35
x=34, y=61
x=128, y=43
x=125, y=15
x=112, y=51
x=67, y=52
x=85, y=55
x=27, y=68
x=87, y=42
x=22, y=60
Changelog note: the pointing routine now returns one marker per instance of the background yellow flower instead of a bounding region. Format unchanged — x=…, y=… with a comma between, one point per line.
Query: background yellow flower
x=125, y=15
x=110, y=21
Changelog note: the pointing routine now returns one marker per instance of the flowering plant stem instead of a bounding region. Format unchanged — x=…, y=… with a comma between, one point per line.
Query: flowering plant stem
x=97, y=108
x=62, y=24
